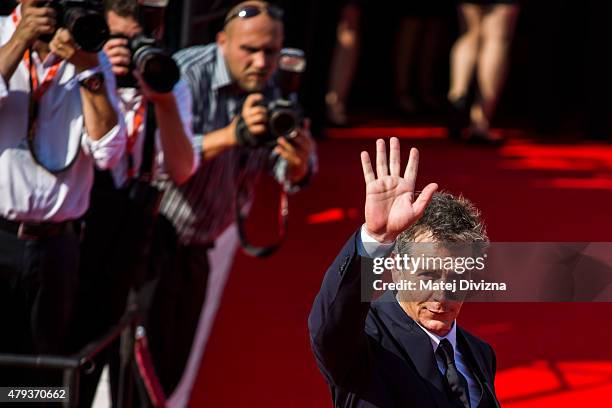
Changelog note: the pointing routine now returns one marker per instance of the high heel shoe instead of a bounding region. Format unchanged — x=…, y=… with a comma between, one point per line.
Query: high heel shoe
x=458, y=117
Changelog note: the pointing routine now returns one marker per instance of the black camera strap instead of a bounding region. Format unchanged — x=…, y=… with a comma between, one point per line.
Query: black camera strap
x=283, y=223
x=33, y=108
x=148, y=151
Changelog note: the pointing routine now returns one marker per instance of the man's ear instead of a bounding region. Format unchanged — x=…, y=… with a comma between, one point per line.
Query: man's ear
x=222, y=40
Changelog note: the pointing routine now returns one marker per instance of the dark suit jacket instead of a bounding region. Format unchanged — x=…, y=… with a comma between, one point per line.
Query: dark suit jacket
x=374, y=354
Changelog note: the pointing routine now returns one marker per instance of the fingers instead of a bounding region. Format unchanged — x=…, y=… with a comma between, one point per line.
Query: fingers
x=287, y=150
x=366, y=164
x=252, y=100
x=256, y=120
x=119, y=55
x=424, y=198
x=255, y=116
x=146, y=90
x=394, y=157
x=412, y=168
x=381, y=159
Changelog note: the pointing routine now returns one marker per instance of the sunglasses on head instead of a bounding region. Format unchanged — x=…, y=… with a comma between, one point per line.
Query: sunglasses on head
x=251, y=11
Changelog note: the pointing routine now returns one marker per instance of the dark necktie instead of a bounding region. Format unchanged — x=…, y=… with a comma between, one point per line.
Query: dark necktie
x=457, y=383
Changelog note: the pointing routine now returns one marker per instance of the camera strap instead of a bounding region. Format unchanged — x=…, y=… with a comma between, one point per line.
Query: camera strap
x=283, y=222
x=37, y=90
x=139, y=116
x=148, y=150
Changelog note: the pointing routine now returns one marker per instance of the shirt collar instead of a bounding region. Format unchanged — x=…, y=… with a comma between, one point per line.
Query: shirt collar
x=221, y=75
x=435, y=339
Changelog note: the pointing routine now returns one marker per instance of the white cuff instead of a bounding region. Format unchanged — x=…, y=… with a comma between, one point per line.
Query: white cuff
x=369, y=247
x=3, y=90
x=88, y=73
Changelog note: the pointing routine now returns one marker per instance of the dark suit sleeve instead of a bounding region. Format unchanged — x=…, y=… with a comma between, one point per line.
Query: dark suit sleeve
x=337, y=318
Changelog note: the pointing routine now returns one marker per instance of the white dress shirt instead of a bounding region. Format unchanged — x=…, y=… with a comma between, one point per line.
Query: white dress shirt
x=27, y=191
x=369, y=247
x=130, y=100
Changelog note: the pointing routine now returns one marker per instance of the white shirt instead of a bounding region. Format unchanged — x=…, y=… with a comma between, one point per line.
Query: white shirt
x=27, y=191
x=370, y=247
x=130, y=100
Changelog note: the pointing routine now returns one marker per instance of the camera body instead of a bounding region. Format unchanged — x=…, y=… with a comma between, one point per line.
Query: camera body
x=285, y=114
x=157, y=67
x=85, y=21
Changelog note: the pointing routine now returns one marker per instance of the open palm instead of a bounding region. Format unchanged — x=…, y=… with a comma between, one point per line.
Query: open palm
x=390, y=199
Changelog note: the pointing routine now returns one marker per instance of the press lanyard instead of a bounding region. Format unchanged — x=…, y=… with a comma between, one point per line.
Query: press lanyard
x=138, y=119
x=37, y=90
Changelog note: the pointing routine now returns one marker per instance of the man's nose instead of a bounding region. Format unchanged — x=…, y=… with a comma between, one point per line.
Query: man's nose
x=259, y=60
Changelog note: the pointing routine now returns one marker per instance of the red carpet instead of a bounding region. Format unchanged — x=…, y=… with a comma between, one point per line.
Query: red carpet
x=549, y=355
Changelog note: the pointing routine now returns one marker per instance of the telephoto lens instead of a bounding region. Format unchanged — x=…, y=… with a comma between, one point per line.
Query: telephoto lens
x=85, y=21
x=158, y=69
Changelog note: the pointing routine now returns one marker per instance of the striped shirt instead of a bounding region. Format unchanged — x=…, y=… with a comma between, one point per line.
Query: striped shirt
x=202, y=208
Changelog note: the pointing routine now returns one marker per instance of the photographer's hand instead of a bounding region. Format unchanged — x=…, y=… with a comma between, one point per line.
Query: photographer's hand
x=64, y=47
x=297, y=150
x=391, y=206
x=255, y=116
x=35, y=21
x=119, y=55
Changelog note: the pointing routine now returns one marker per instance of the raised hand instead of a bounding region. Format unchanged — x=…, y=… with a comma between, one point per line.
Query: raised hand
x=255, y=116
x=390, y=206
x=119, y=55
x=35, y=21
x=64, y=47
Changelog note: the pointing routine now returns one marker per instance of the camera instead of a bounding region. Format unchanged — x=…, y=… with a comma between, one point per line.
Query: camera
x=157, y=67
x=284, y=111
x=84, y=19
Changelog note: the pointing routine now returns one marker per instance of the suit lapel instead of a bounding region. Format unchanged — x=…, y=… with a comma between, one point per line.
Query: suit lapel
x=414, y=344
x=478, y=366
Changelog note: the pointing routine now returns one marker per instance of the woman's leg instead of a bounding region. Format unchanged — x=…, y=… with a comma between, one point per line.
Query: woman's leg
x=497, y=31
x=344, y=64
x=465, y=50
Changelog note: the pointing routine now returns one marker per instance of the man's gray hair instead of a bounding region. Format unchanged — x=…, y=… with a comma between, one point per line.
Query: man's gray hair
x=447, y=219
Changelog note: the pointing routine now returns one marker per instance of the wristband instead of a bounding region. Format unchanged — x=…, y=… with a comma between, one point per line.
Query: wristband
x=244, y=137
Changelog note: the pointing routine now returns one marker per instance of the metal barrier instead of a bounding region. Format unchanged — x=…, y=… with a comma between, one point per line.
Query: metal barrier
x=73, y=365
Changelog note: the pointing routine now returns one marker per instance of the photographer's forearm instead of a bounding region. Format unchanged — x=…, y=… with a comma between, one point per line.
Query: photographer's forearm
x=98, y=113
x=176, y=145
x=219, y=140
x=10, y=56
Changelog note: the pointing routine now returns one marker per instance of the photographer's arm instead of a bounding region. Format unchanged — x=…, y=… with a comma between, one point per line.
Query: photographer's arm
x=34, y=22
x=216, y=142
x=173, y=113
x=255, y=118
x=99, y=114
x=10, y=57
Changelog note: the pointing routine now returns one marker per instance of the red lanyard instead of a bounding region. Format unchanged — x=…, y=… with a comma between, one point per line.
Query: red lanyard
x=38, y=89
x=138, y=119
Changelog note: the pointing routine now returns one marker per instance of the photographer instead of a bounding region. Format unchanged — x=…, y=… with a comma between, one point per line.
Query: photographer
x=229, y=80
x=58, y=118
x=110, y=248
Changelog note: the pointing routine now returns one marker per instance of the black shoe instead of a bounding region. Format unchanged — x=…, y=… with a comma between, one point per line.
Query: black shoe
x=485, y=139
x=458, y=117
